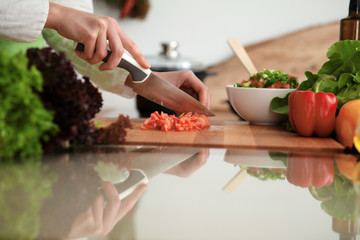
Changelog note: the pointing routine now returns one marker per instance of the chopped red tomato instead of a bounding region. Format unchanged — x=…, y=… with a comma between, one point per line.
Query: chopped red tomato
x=185, y=122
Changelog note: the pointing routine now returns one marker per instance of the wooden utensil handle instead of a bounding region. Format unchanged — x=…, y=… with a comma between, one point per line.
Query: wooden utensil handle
x=244, y=58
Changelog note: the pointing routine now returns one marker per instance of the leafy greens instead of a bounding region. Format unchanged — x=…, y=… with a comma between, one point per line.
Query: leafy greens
x=340, y=75
x=24, y=121
x=338, y=199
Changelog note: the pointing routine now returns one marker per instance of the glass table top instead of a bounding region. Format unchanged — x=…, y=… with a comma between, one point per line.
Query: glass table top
x=152, y=192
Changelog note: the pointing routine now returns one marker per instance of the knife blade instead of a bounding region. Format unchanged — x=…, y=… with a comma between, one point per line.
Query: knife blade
x=145, y=83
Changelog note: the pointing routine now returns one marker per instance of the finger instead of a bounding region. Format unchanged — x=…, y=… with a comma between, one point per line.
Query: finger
x=117, y=51
x=112, y=206
x=128, y=203
x=97, y=211
x=203, y=95
x=100, y=48
x=82, y=224
x=208, y=99
x=89, y=49
x=131, y=47
x=199, y=87
x=200, y=159
x=194, y=163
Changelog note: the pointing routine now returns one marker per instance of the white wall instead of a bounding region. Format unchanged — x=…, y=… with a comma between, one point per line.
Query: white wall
x=202, y=26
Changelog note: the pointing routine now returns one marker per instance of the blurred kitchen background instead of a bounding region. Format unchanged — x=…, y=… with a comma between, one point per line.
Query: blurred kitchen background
x=291, y=36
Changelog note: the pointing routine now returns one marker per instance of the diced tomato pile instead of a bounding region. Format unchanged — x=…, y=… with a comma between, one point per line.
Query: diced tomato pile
x=185, y=122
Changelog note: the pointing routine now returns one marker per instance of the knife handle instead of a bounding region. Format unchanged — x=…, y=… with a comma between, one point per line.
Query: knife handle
x=127, y=62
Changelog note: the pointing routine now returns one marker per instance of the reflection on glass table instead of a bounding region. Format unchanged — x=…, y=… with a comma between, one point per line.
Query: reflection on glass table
x=330, y=178
x=193, y=193
x=83, y=193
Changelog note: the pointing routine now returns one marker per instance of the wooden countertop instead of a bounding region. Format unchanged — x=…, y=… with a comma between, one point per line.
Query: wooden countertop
x=230, y=134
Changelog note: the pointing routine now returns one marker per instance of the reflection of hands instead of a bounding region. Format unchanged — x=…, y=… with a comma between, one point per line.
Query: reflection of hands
x=189, y=83
x=93, y=31
x=99, y=220
x=190, y=165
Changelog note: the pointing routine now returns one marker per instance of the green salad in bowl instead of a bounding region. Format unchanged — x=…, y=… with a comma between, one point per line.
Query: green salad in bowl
x=251, y=98
x=270, y=79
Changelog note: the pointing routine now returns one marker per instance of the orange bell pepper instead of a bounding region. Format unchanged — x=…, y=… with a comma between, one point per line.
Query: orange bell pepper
x=312, y=113
x=346, y=164
x=306, y=170
x=346, y=122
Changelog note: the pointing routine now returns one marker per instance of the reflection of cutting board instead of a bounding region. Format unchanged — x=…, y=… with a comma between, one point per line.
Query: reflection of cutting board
x=231, y=134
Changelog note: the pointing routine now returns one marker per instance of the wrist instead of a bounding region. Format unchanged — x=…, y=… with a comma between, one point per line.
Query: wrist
x=53, y=16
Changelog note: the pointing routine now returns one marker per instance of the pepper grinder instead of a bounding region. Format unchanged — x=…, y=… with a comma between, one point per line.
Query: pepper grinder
x=350, y=26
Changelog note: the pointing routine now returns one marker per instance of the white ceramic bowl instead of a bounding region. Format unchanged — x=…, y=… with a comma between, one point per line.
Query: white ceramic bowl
x=253, y=104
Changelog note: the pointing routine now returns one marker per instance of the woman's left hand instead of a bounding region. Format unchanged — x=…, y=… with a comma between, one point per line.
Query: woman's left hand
x=189, y=83
x=100, y=218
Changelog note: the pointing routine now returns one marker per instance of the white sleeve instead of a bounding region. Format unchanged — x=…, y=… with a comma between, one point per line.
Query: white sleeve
x=82, y=5
x=22, y=20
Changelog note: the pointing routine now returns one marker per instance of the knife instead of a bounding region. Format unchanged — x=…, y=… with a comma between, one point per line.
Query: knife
x=148, y=162
x=153, y=88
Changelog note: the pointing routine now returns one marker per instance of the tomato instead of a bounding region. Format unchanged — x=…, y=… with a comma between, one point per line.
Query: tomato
x=185, y=122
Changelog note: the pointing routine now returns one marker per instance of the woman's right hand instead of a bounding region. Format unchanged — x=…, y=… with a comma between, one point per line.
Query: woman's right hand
x=93, y=31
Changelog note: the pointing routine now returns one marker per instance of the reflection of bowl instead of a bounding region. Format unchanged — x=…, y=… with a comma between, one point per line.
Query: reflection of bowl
x=253, y=158
x=253, y=104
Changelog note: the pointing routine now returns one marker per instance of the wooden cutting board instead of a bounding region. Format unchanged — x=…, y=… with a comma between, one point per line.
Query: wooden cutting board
x=230, y=134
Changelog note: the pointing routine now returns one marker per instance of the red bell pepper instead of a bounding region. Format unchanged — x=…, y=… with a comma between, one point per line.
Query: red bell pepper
x=306, y=170
x=312, y=113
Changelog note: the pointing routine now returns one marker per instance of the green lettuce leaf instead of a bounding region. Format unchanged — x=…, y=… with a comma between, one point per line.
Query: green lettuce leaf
x=337, y=199
x=342, y=100
x=307, y=85
x=325, y=83
x=280, y=105
x=24, y=121
x=340, y=51
x=345, y=80
x=347, y=94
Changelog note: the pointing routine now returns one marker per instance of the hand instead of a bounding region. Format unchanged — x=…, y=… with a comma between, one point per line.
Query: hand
x=99, y=220
x=93, y=31
x=188, y=82
x=190, y=165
